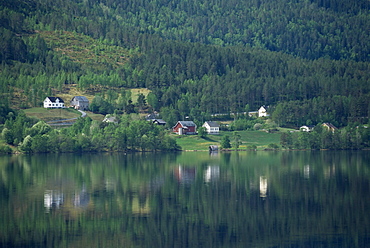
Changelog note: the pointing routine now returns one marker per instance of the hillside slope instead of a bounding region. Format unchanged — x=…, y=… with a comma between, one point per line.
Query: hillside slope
x=307, y=60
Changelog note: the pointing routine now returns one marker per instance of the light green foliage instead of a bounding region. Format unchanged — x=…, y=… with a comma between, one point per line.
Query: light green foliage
x=26, y=145
x=39, y=128
x=202, y=132
x=257, y=126
x=236, y=140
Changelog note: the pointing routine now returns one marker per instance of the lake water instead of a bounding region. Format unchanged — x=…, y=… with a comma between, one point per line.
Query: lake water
x=194, y=199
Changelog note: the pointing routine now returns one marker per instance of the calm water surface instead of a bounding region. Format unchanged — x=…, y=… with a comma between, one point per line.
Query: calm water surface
x=245, y=199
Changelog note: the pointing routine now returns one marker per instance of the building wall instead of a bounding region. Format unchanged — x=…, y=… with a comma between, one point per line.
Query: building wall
x=49, y=104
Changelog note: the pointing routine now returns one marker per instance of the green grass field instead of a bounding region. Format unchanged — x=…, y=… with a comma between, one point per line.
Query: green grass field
x=52, y=114
x=259, y=138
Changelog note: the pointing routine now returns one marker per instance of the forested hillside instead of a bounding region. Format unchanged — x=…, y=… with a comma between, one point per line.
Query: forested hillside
x=308, y=60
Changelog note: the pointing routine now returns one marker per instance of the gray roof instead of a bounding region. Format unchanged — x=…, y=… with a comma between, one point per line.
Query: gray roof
x=159, y=121
x=212, y=124
x=81, y=98
x=187, y=123
x=110, y=119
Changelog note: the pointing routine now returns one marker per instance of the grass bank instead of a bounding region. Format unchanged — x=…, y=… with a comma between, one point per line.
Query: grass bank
x=261, y=139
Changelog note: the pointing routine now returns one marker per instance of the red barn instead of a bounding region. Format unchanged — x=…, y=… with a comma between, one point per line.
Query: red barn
x=185, y=127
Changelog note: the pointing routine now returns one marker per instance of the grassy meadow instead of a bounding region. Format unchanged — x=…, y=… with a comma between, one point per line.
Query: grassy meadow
x=259, y=138
x=52, y=114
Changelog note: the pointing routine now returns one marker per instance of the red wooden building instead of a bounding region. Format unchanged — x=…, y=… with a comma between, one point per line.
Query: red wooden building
x=185, y=127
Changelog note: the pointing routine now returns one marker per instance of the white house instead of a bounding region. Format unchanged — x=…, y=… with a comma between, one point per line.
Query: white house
x=53, y=102
x=263, y=111
x=306, y=128
x=211, y=127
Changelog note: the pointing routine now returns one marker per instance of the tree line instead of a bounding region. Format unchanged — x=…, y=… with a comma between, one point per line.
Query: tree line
x=130, y=133
x=351, y=137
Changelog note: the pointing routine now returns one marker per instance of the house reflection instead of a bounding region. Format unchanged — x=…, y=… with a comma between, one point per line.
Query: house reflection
x=329, y=171
x=140, y=205
x=211, y=173
x=263, y=187
x=306, y=171
x=81, y=198
x=184, y=175
x=53, y=198
x=65, y=199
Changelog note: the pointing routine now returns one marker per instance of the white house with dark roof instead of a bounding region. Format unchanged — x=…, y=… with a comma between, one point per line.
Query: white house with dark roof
x=53, y=102
x=159, y=122
x=80, y=103
x=211, y=127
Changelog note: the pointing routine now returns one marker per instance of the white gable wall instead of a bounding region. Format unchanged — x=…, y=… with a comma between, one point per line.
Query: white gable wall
x=211, y=130
x=262, y=112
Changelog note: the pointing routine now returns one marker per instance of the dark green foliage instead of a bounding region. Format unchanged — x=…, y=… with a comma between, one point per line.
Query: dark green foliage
x=273, y=146
x=141, y=102
x=100, y=105
x=5, y=149
x=225, y=142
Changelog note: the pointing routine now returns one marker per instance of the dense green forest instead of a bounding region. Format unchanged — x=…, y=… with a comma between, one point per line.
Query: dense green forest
x=308, y=60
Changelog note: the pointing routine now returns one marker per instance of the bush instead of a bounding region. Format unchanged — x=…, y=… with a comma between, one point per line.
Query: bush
x=273, y=146
x=252, y=147
x=257, y=126
x=5, y=149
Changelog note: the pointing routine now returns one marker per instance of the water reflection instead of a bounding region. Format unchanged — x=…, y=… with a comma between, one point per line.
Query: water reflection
x=306, y=171
x=81, y=198
x=58, y=199
x=263, y=186
x=287, y=199
x=185, y=175
x=140, y=205
x=212, y=173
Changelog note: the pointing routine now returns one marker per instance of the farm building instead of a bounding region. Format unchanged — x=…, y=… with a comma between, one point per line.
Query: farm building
x=80, y=103
x=185, y=127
